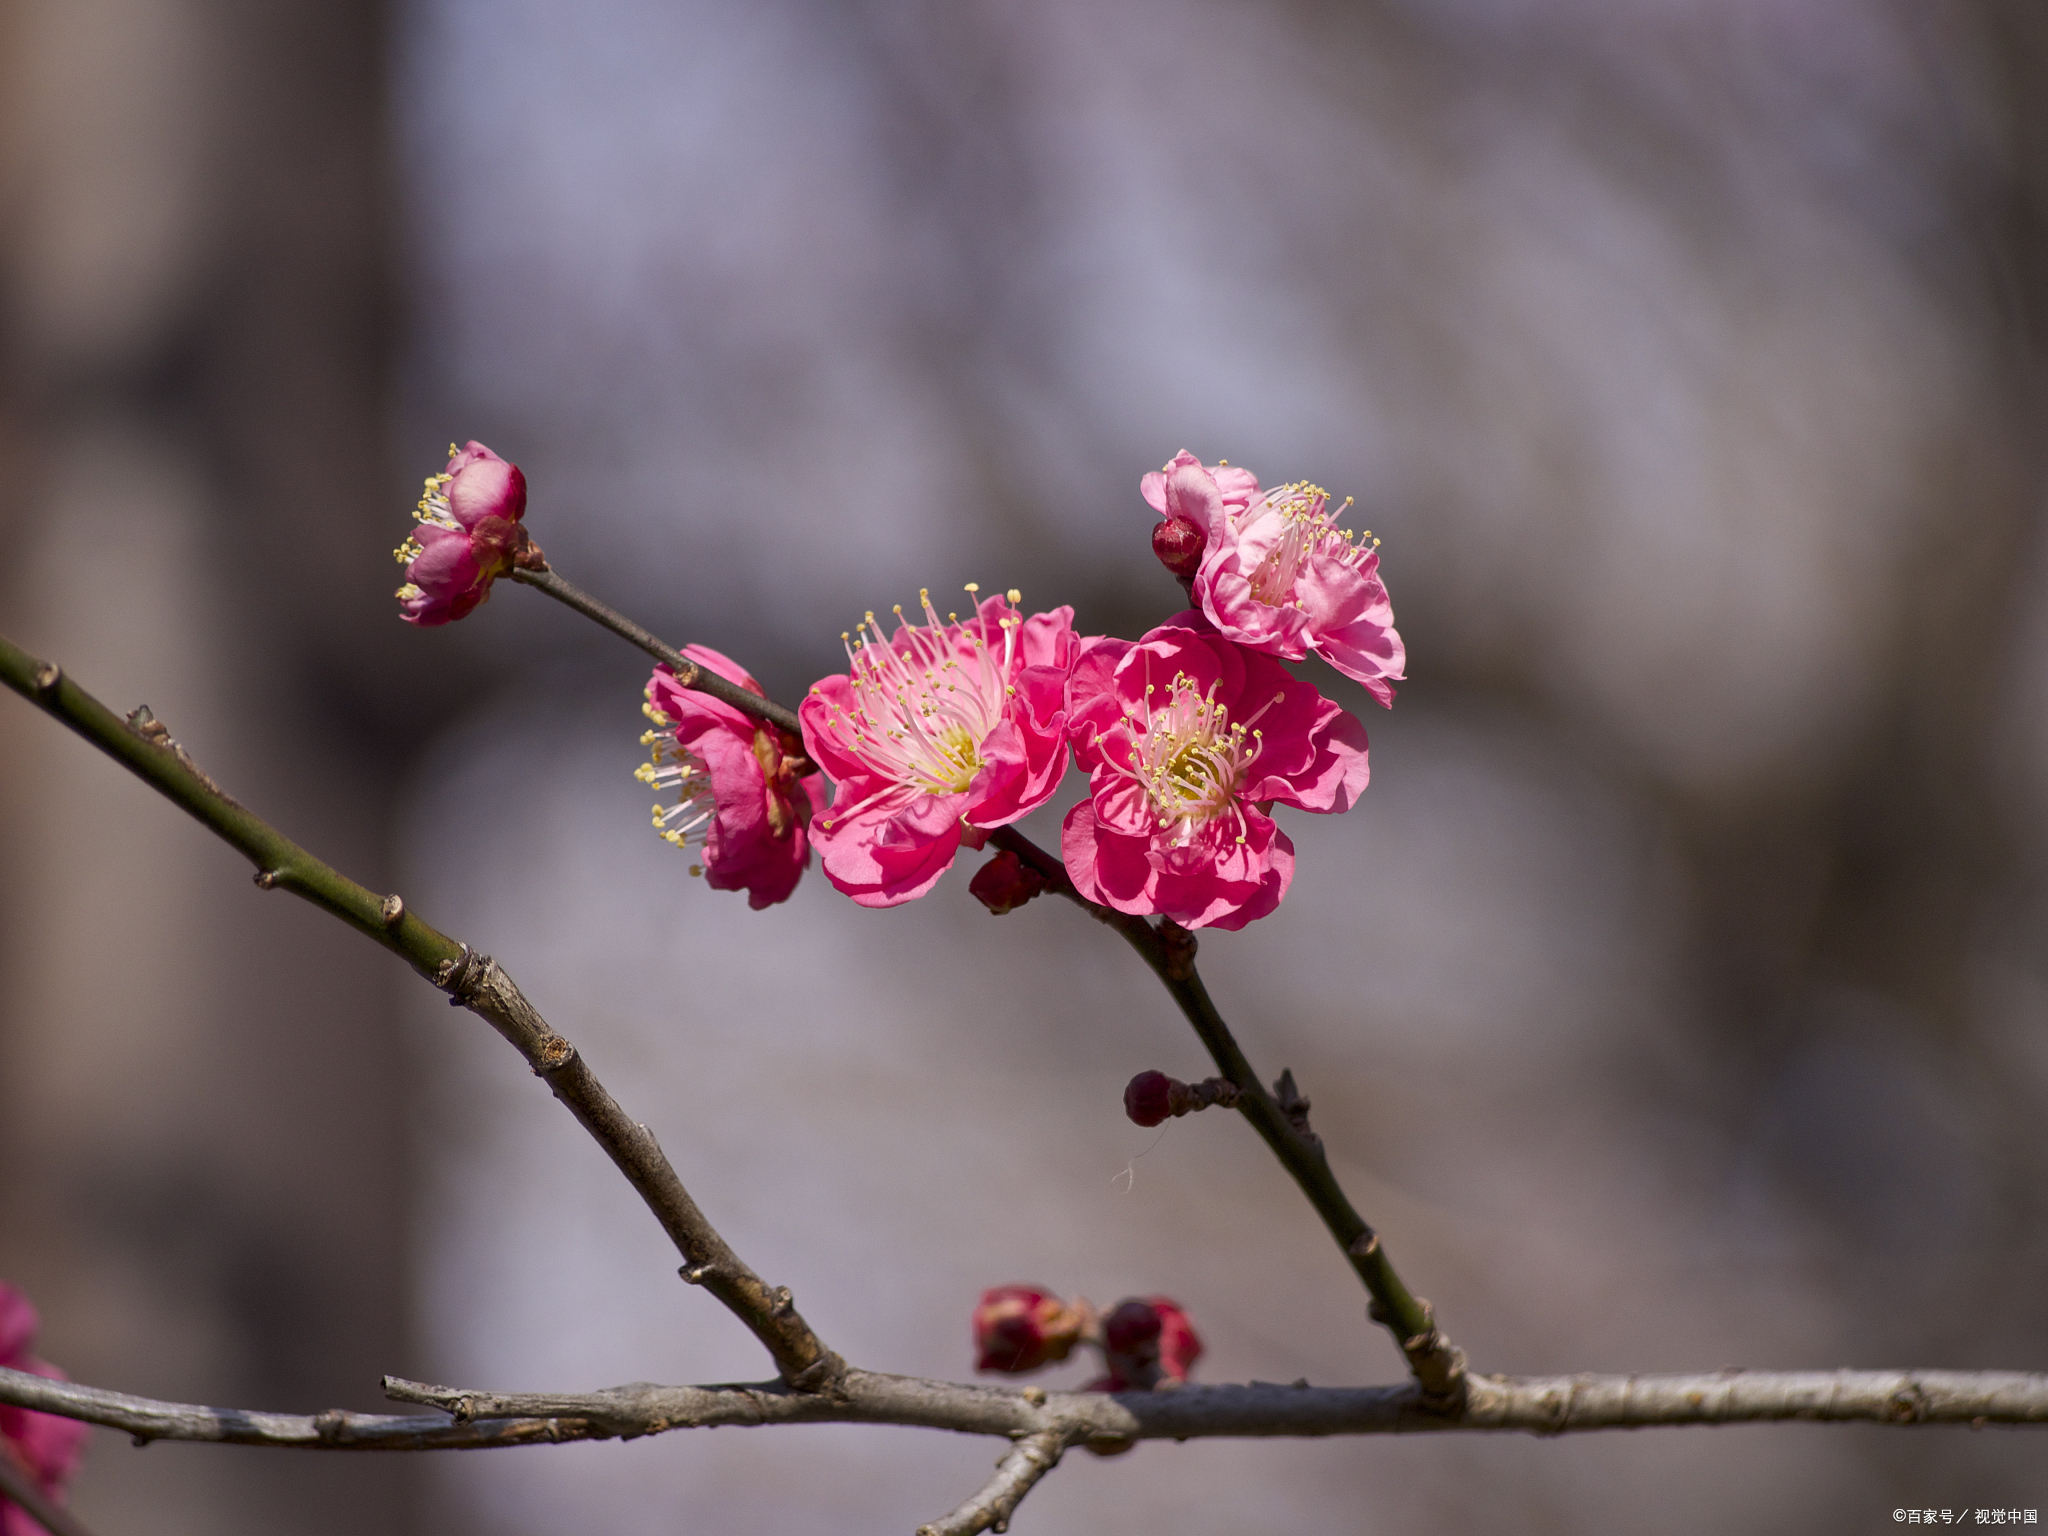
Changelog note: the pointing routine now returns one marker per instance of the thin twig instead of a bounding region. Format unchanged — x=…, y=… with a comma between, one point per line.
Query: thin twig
x=1170, y=951
x=144, y=746
x=18, y=1485
x=687, y=672
x=1545, y=1405
x=1016, y=1475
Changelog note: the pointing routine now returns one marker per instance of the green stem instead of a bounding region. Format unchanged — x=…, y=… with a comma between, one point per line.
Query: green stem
x=143, y=745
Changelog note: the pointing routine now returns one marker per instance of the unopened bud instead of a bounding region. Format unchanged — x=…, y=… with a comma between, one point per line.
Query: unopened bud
x=1151, y=1098
x=1146, y=1341
x=1005, y=883
x=1019, y=1328
x=1179, y=543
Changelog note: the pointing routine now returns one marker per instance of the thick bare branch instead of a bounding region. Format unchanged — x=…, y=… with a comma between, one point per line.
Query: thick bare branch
x=1016, y=1475
x=1546, y=1405
x=145, y=747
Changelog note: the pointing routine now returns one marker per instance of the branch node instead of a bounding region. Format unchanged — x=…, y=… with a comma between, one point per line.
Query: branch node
x=785, y=1301
x=1177, y=948
x=266, y=879
x=1295, y=1106
x=697, y=1274
x=331, y=1426
x=551, y=1054
x=46, y=679
x=393, y=910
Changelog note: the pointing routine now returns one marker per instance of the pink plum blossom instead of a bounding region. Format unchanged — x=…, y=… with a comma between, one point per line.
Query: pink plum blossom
x=1277, y=574
x=48, y=1446
x=469, y=535
x=933, y=737
x=744, y=792
x=1188, y=739
x=1018, y=1328
x=1189, y=496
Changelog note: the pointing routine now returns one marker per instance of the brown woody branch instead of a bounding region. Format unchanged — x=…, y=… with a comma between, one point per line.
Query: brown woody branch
x=1544, y=1405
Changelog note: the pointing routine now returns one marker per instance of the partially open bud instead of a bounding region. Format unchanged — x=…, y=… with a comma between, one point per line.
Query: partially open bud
x=1151, y=1098
x=470, y=534
x=1179, y=544
x=1005, y=883
x=1018, y=1328
x=1147, y=1341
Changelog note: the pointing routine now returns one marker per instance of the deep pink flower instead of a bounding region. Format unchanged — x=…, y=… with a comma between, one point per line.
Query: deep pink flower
x=1145, y=1342
x=1018, y=1328
x=47, y=1445
x=1188, y=739
x=469, y=535
x=744, y=792
x=1189, y=496
x=934, y=736
x=1277, y=574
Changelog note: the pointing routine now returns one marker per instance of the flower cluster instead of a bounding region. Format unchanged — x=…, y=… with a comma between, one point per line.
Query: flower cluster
x=47, y=1446
x=1145, y=1341
x=470, y=534
x=941, y=731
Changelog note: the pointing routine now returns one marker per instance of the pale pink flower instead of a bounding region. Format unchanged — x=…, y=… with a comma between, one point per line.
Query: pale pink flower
x=744, y=793
x=49, y=1446
x=1188, y=739
x=1147, y=1341
x=1277, y=574
x=934, y=736
x=1018, y=1328
x=469, y=535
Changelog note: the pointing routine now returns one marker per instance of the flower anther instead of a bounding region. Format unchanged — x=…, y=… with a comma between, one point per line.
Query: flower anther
x=933, y=736
x=743, y=792
x=1188, y=739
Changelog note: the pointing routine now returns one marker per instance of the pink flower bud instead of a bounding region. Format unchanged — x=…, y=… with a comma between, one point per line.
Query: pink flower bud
x=1179, y=543
x=1005, y=883
x=470, y=534
x=48, y=1446
x=1148, y=1099
x=1018, y=1328
x=1147, y=1341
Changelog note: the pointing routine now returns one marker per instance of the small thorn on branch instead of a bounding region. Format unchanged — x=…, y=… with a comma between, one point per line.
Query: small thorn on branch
x=1294, y=1106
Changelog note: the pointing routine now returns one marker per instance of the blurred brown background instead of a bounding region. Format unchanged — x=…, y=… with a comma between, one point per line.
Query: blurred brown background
x=1676, y=997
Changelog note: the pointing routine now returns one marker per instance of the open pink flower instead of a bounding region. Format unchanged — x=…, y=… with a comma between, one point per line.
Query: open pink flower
x=1147, y=1341
x=47, y=1445
x=1018, y=1328
x=1188, y=739
x=469, y=535
x=744, y=792
x=933, y=736
x=1277, y=574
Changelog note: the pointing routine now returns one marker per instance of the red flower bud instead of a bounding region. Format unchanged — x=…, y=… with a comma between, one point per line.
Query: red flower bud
x=1179, y=543
x=1018, y=1328
x=1148, y=1099
x=1005, y=883
x=1145, y=1342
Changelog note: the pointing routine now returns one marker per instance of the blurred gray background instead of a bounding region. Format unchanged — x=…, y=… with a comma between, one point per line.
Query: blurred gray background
x=1675, y=998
